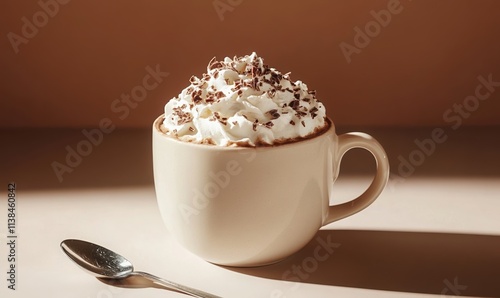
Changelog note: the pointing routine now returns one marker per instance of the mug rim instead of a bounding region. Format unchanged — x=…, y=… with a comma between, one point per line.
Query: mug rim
x=157, y=131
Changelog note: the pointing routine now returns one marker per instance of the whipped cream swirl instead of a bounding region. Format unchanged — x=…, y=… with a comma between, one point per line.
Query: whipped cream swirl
x=243, y=102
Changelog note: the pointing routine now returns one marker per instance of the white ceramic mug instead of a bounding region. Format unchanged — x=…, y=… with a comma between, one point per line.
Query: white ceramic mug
x=248, y=206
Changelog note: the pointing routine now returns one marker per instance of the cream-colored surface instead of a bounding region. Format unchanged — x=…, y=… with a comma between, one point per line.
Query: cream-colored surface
x=407, y=242
x=424, y=232
x=254, y=206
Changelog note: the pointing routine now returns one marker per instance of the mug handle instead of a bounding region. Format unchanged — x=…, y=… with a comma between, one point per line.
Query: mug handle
x=347, y=142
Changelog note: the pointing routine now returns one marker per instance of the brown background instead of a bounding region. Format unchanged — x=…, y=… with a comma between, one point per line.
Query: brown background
x=90, y=52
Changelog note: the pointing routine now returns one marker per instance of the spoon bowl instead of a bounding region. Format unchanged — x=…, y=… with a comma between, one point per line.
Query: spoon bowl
x=97, y=260
x=106, y=264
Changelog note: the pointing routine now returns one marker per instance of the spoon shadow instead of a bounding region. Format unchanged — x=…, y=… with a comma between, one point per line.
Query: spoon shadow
x=134, y=281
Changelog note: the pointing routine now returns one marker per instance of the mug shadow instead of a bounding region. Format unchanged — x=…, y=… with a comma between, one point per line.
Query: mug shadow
x=415, y=262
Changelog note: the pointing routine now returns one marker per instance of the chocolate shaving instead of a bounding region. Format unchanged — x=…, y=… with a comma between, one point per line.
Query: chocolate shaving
x=300, y=114
x=313, y=112
x=219, y=94
x=197, y=99
x=213, y=64
x=222, y=120
x=294, y=104
x=274, y=114
x=254, y=125
x=255, y=84
x=183, y=117
x=211, y=61
x=274, y=79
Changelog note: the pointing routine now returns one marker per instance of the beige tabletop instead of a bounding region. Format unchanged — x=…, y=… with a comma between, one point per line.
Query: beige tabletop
x=434, y=231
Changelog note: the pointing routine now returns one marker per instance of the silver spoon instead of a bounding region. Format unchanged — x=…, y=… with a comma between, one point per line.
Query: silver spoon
x=104, y=263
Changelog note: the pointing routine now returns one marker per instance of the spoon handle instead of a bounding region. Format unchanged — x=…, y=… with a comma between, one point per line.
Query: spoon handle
x=175, y=286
